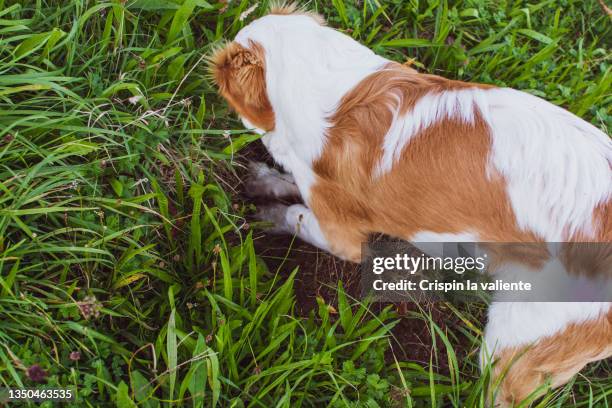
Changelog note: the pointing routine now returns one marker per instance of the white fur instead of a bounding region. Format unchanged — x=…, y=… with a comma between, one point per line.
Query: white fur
x=429, y=236
x=302, y=222
x=309, y=68
x=427, y=111
x=284, y=154
x=557, y=166
x=252, y=127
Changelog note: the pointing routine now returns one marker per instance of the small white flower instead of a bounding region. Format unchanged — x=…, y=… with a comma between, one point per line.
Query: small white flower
x=134, y=99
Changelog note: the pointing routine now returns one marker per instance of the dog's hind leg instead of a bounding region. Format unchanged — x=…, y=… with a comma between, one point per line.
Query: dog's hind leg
x=528, y=370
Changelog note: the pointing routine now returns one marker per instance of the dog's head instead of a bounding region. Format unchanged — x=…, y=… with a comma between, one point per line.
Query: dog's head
x=239, y=67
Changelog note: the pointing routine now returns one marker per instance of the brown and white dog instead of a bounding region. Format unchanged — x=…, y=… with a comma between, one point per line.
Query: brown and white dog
x=375, y=147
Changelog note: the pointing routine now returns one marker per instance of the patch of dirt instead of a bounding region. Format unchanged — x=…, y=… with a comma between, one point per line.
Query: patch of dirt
x=319, y=273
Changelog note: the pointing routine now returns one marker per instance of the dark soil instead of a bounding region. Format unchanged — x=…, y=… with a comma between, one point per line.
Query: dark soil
x=319, y=273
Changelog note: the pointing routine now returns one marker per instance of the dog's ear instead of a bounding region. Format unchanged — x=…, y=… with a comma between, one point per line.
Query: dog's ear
x=240, y=74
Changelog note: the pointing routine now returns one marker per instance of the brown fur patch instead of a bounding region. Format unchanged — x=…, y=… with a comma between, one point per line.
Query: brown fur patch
x=588, y=259
x=589, y=254
x=602, y=219
x=556, y=358
x=240, y=74
x=447, y=159
x=533, y=255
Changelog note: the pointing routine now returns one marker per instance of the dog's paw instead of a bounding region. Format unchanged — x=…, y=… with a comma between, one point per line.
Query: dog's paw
x=265, y=181
x=276, y=215
x=260, y=178
x=259, y=170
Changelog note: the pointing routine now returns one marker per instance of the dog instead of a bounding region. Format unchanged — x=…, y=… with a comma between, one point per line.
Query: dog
x=373, y=146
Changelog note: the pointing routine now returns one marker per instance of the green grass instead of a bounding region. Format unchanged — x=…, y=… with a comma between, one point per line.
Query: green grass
x=121, y=237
